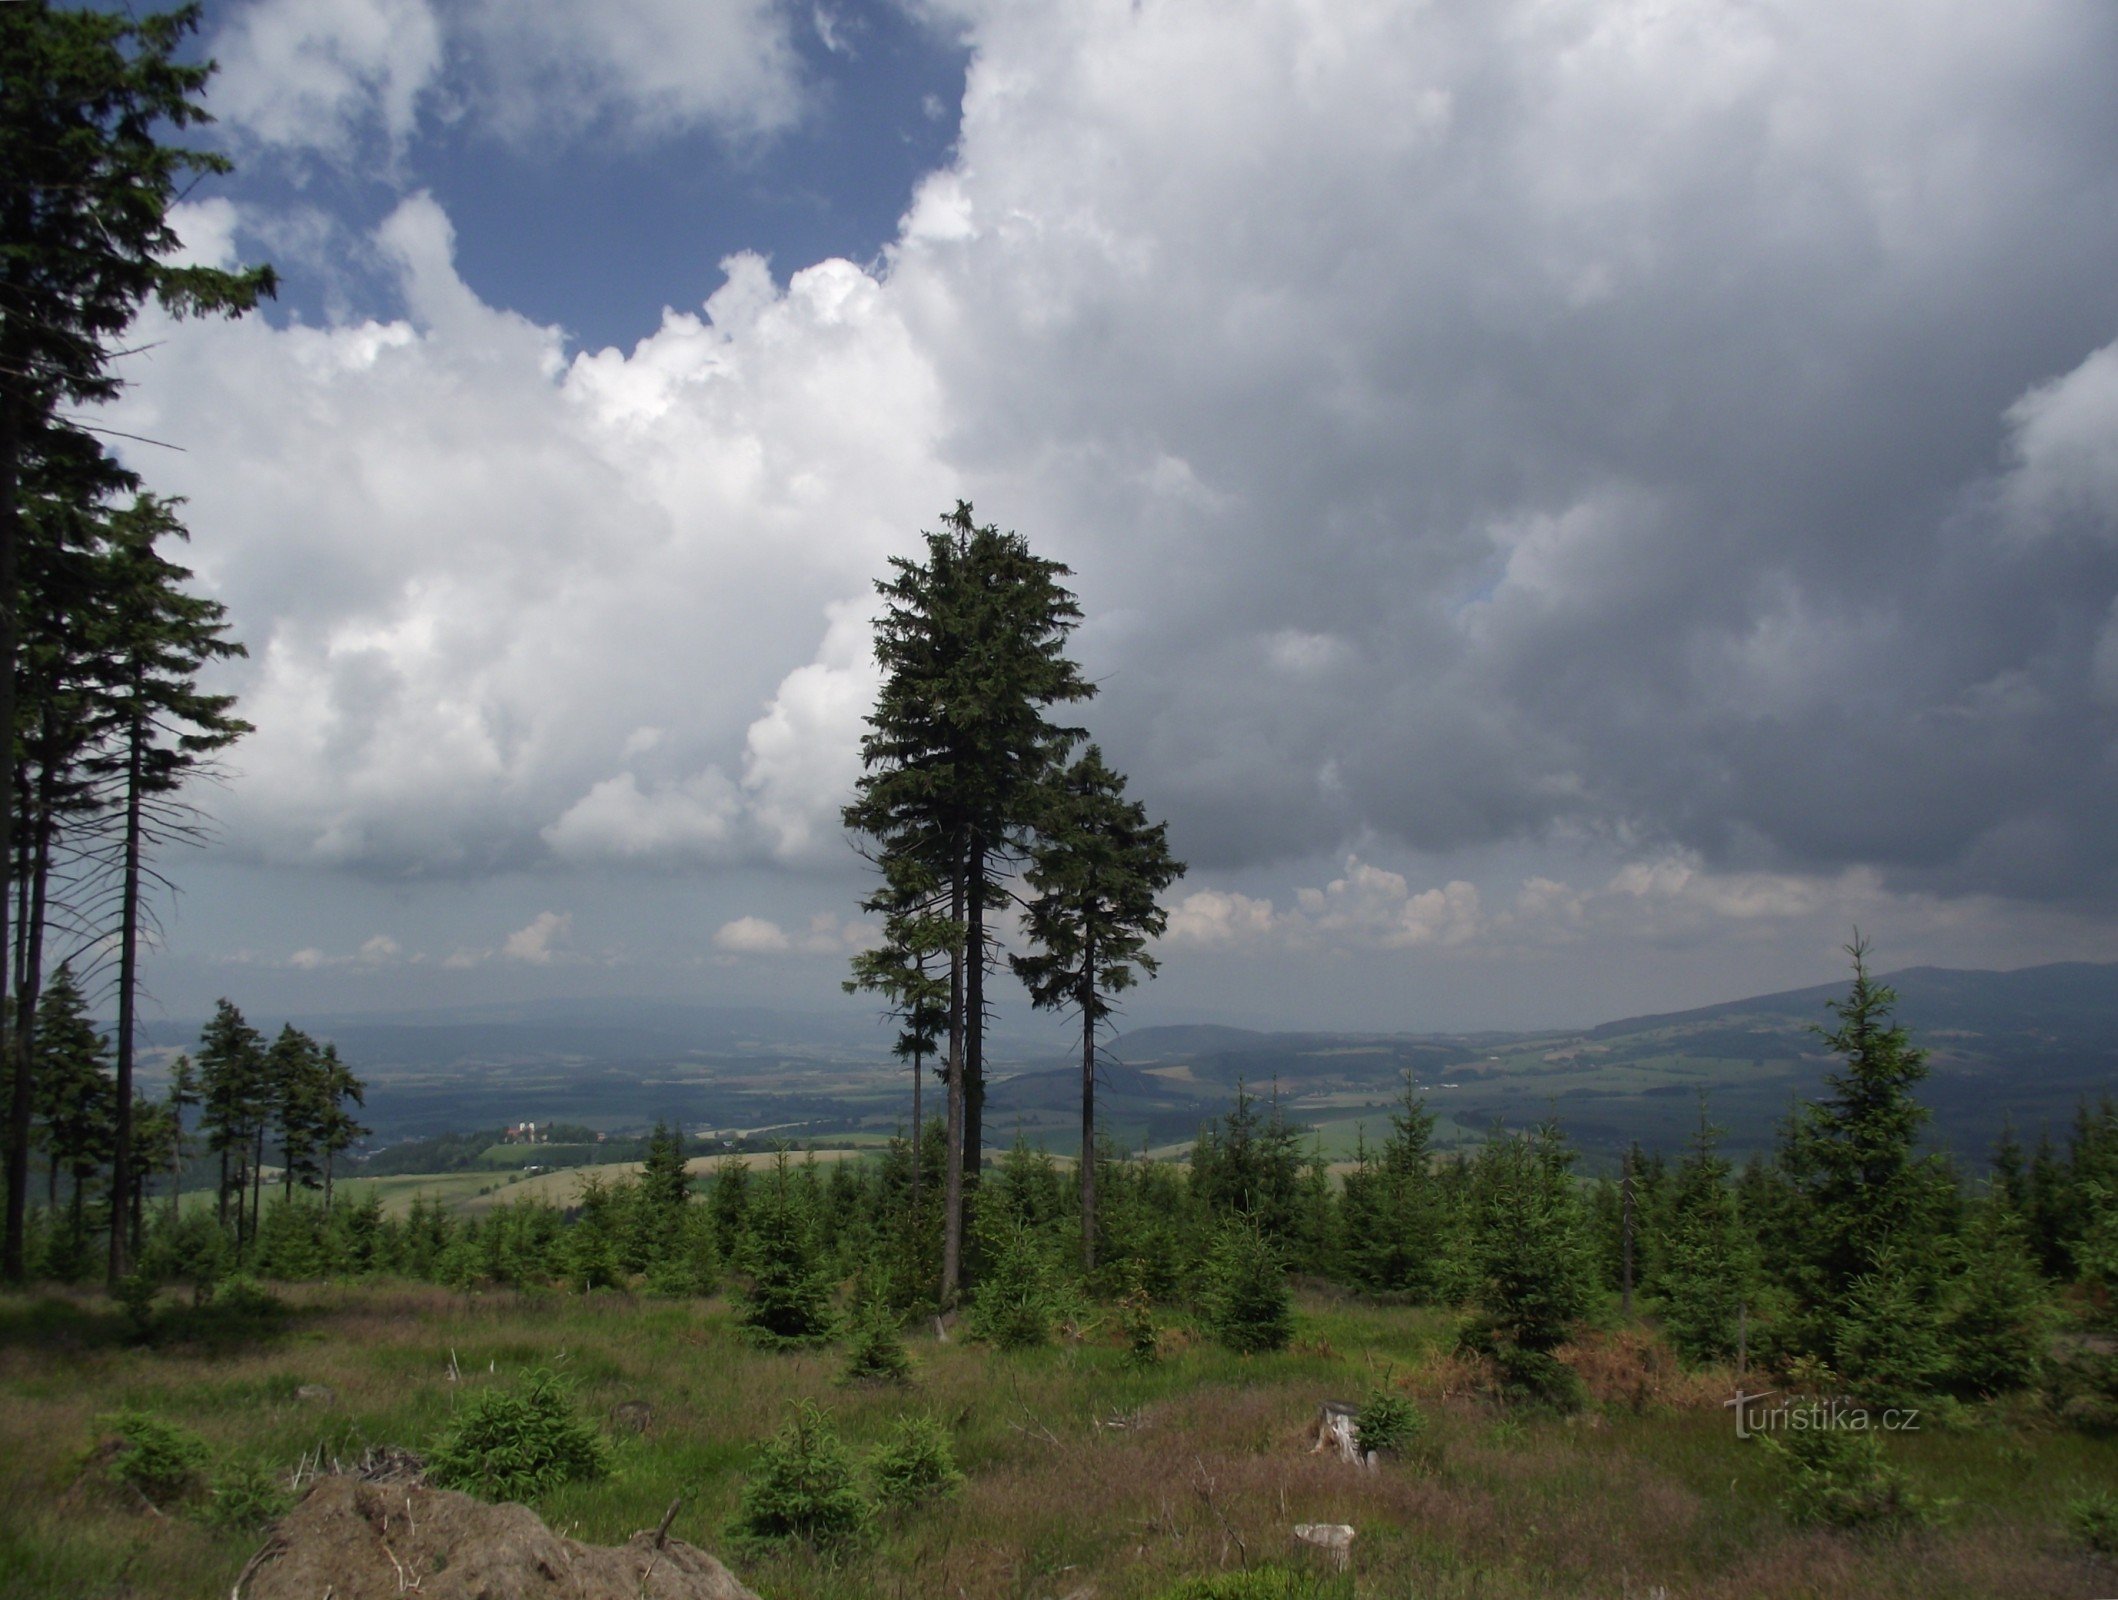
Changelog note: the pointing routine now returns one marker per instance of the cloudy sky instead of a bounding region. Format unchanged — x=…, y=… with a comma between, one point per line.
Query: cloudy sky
x=1577, y=503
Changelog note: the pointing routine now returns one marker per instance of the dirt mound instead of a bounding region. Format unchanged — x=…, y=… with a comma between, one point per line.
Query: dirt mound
x=372, y=1541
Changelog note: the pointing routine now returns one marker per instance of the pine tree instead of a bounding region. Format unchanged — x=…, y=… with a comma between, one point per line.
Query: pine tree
x=1096, y=872
x=183, y=1094
x=339, y=1130
x=233, y=1100
x=1530, y=1258
x=1869, y=1202
x=159, y=638
x=1999, y=1311
x=1395, y=1247
x=788, y=1302
x=296, y=1094
x=75, y=1088
x=1706, y=1263
x=84, y=242
x=972, y=646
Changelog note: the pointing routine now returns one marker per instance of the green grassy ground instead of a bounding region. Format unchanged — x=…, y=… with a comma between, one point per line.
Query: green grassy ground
x=1083, y=1473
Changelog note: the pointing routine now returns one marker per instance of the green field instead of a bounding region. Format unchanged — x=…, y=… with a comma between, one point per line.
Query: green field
x=1085, y=1475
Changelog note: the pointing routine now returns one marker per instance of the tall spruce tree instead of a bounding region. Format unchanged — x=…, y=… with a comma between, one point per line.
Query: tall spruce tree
x=73, y=1072
x=972, y=643
x=1394, y=1232
x=86, y=186
x=340, y=1129
x=1868, y=1197
x=1096, y=872
x=234, y=1100
x=159, y=637
x=1531, y=1259
x=1705, y=1256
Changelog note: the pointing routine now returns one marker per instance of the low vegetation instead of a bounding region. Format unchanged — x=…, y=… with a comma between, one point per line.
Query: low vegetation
x=1079, y=1467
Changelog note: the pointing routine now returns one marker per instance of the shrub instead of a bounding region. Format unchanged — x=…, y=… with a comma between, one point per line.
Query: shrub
x=1247, y=1304
x=878, y=1354
x=1387, y=1421
x=157, y=1458
x=915, y=1463
x=134, y=1294
x=512, y=1444
x=1015, y=1303
x=1838, y=1477
x=245, y=1496
x=1136, y=1318
x=788, y=1304
x=2092, y=1521
x=806, y=1488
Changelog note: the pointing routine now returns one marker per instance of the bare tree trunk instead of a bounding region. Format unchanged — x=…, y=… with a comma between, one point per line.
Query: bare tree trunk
x=952, y=1193
x=974, y=1019
x=121, y=1178
x=29, y=982
x=919, y=1128
x=14, y=1266
x=257, y=1178
x=1088, y=1114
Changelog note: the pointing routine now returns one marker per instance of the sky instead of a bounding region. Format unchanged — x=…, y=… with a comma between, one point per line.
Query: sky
x=1577, y=505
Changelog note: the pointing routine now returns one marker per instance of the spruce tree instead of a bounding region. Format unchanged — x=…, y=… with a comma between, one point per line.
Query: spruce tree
x=1706, y=1264
x=233, y=1100
x=85, y=241
x=1999, y=1311
x=1869, y=1202
x=971, y=641
x=159, y=638
x=788, y=1301
x=1530, y=1258
x=1394, y=1224
x=339, y=1130
x=1096, y=874
x=75, y=1090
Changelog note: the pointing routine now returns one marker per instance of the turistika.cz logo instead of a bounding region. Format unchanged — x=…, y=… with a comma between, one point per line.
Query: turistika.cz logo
x=1757, y=1414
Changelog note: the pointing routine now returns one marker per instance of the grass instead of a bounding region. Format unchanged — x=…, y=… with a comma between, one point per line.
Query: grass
x=1081, y=1469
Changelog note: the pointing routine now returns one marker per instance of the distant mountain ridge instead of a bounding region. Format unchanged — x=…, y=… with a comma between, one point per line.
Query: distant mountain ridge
x=2026, y=1044
x=2078, y=998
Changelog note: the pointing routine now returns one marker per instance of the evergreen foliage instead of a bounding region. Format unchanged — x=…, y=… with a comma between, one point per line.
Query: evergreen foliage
x=876, y=1353
x=971, y=643
x=1841, y=1478
x=1705, y=1263
x=1097, y=870
x=1246, y=1303
x=806, y=1488
x=915, y=1464
x=788, y=1302
x=85, y=241
x=157, y=1458
x=1530, y=1260
x=517, y=1442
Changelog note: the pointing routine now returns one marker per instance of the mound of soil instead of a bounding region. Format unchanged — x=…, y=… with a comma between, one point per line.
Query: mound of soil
x=372, y=1541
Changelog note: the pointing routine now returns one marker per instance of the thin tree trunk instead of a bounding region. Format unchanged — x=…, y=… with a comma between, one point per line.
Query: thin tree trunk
x=919, y=1128
x=221, y=1196
x=952, y=1192
x=128, y=978
x=257, y=1177
x=1088, y=1114
x=13, y=1263
x=974, y=1020
x=30, y=981
x=1627, y=1189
